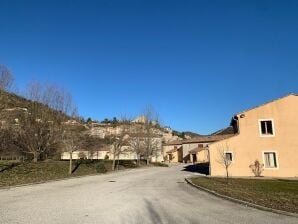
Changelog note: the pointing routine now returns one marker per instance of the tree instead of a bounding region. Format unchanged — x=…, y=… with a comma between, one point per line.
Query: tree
x=41, y=128
x=225, y=158
x=106, y=121
x=6, y=78
x=257, y=168
x=137, y=145
x=115, y=122
x=119, y=141
x=7, y=140
x=150, y=138
x=71, y=144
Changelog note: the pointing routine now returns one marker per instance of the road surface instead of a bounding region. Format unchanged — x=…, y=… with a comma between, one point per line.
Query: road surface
x=147, y=195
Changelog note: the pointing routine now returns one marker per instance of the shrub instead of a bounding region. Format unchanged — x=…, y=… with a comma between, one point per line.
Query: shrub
x=100, y=167
x=257, y=168
x=128, y=163
x=160, y=164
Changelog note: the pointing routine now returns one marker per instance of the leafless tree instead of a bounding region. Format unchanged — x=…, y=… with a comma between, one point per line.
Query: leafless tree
x=53, y=96
x=71, y=143
x=225, y=157
x=137, y=145
x=257, y=168
x=119, y=141
x=150, y=139
x=6, y=78
x=41, y=129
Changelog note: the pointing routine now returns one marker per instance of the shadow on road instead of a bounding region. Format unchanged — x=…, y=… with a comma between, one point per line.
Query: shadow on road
x=154, y=216
x=197, y=168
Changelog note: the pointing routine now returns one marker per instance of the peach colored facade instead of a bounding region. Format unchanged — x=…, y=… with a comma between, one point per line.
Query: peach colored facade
x=172, y=152
x=267, y=133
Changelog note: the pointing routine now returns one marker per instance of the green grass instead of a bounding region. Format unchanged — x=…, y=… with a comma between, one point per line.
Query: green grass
x=275, y=193
x=25, y=173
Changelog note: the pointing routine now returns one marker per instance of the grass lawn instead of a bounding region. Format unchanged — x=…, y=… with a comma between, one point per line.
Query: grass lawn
x=275, y=193
x=13, y=173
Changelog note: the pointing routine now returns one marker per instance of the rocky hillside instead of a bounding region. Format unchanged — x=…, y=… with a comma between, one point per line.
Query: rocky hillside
x=13, y=106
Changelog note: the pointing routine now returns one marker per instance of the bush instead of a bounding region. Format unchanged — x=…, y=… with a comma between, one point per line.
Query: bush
x=160, y=164
x=100, y=167
x=128, y=163
x=257, y=168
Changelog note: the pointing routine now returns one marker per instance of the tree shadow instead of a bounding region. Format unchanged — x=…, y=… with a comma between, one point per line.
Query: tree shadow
x=77, y=165
x=202, y=168
x=9, y=167
x=153, y=214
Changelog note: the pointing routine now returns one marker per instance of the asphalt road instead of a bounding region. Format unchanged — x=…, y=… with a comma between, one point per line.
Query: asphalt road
x=150, y=195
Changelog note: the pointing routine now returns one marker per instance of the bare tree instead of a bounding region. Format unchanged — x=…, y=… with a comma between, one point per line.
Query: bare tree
x=137, y=145
x=6, y=78
x=71, y=144
x=41, y=129
x=150, y=139
x=119, y=141
x=53, y=96
x=225, y=157
x=257, y=168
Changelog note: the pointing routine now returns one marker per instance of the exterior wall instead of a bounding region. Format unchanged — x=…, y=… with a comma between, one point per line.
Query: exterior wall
x=249, y=145
x=202, y=156
x=76, y=155
x=188, y=147
x=167, y=148
x=175, y=157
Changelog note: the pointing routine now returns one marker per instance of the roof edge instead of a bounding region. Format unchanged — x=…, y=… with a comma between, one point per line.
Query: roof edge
x=263, y=104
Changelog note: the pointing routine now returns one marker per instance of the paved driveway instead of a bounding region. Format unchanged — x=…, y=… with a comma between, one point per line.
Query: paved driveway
x=150, y=195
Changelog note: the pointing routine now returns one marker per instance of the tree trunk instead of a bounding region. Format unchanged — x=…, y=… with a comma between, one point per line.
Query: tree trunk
x=227, y=172
x=147, y=161
x=70, y=163
x=114, y=163
x=118, y=163
x=35, y=158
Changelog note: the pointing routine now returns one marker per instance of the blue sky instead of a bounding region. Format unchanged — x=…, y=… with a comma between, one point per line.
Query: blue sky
x=196, y=62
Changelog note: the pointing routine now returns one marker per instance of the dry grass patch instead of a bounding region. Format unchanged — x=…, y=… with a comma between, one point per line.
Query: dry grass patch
x=275, y=193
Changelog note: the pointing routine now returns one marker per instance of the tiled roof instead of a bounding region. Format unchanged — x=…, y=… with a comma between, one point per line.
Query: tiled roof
x=176, y=142
x=208, y=138
x=174, y=150
x=200, y=139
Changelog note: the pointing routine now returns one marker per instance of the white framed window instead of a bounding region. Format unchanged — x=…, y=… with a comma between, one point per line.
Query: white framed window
x=266, y=128
x=270, y=159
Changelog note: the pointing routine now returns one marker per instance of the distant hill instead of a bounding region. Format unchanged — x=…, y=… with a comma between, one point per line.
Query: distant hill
x=13, y=107
x=185, y=134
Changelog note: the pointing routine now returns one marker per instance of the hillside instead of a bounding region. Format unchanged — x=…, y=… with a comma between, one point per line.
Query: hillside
x=92, y=135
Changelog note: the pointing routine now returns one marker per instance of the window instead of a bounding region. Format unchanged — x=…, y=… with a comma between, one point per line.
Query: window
x=270, y=160
x=266, y=127
x=229, y=156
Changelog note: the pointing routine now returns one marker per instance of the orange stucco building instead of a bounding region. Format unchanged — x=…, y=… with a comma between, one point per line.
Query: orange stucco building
x=267, y=133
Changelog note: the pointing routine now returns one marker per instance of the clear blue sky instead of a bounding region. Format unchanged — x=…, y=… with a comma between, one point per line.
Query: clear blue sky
x=197, y=62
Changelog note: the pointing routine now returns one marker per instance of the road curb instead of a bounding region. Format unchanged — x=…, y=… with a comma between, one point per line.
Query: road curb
x=263, y=208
